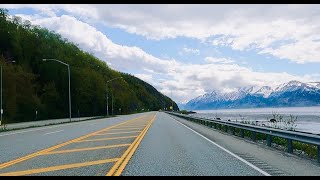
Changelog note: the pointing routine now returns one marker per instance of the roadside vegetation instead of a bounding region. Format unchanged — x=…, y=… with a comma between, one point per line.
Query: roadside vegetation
x=31, y=85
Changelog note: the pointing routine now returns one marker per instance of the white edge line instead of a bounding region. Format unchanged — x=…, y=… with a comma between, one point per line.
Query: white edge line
x=31, y=130
x=53, y=132
x=234, y=155
x=50, y=127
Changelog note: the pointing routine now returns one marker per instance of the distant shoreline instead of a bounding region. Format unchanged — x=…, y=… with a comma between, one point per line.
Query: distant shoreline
x=256, y=108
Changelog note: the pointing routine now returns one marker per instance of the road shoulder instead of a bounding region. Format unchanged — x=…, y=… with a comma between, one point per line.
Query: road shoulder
x=271, y=160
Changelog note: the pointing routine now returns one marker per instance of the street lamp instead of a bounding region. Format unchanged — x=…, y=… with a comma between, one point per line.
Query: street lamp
x=69, y=82
x=1, y=95
x=112, y=102
x=107, y=92
x=171, y=99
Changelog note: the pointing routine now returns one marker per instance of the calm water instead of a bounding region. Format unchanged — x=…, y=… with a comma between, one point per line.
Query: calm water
x=308, y=117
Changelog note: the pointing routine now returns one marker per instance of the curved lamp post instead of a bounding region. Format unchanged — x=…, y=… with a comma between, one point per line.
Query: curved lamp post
x=107, y=92
x=69, y=81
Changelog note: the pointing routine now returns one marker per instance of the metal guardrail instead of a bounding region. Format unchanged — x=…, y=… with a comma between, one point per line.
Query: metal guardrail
x=270, y=132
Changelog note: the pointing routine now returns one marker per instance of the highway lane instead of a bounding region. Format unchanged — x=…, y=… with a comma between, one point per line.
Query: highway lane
x=171, y=149
x=102, y=152
x=275, y=162
x=15, y=144
x=141, y=144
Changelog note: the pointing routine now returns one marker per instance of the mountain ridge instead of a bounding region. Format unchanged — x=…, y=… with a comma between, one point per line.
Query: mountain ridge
x=290, y=94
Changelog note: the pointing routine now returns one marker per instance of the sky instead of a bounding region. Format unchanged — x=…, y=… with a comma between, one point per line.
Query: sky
x=190, y=50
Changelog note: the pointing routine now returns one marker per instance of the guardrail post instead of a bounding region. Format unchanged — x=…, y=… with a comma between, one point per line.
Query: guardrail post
x=215, y=125
x=211, y=124
x=269, y=140
x=242, y=133
x=253, y=136
x=290, y=148
x=233, y=130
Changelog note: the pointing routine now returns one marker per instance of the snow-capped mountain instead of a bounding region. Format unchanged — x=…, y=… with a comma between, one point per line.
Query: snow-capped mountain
x=316, y=84
x=293, y=93
x=295, y=86
x=216, y=96
x=264, y=91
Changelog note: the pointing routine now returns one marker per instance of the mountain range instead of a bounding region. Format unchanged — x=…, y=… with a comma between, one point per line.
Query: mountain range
x=290, y=94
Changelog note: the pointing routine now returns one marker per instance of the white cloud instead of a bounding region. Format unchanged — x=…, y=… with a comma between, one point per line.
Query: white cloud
x=241, y=27
x=302, y=51
x=146, y=77
x=186, y=50
x=218, y=60
x=91, y=40
x=185, y=80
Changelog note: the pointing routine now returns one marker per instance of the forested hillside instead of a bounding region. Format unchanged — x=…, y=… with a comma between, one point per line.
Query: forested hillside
x=30, y=84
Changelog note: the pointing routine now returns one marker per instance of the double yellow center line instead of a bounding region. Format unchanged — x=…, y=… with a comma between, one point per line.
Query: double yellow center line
x=115, y=170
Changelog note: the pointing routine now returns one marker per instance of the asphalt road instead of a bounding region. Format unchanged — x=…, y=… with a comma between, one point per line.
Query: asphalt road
x=45, y=122
x=273, y=161
x=83, y=148
x=171, y=149
x=135, y=145
x=15, y=144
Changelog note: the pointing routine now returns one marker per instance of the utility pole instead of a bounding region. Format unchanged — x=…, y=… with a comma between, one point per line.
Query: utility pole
x=1, y=98
x=112, y=101
x=171, y=99
x=107, y=100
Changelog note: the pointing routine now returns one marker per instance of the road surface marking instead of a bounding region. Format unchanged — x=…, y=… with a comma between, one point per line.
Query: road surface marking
x=127, y=159
x=30, y=156
x=135, y=124
x=55, y=126
x=117, y=169
x=50, y=127
x=121, y=129
x=106, y=139
x=53, y=132
x=56, y=168
x=86, y=149
x=138, y=126
x=229, y=152
x=102, y=134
